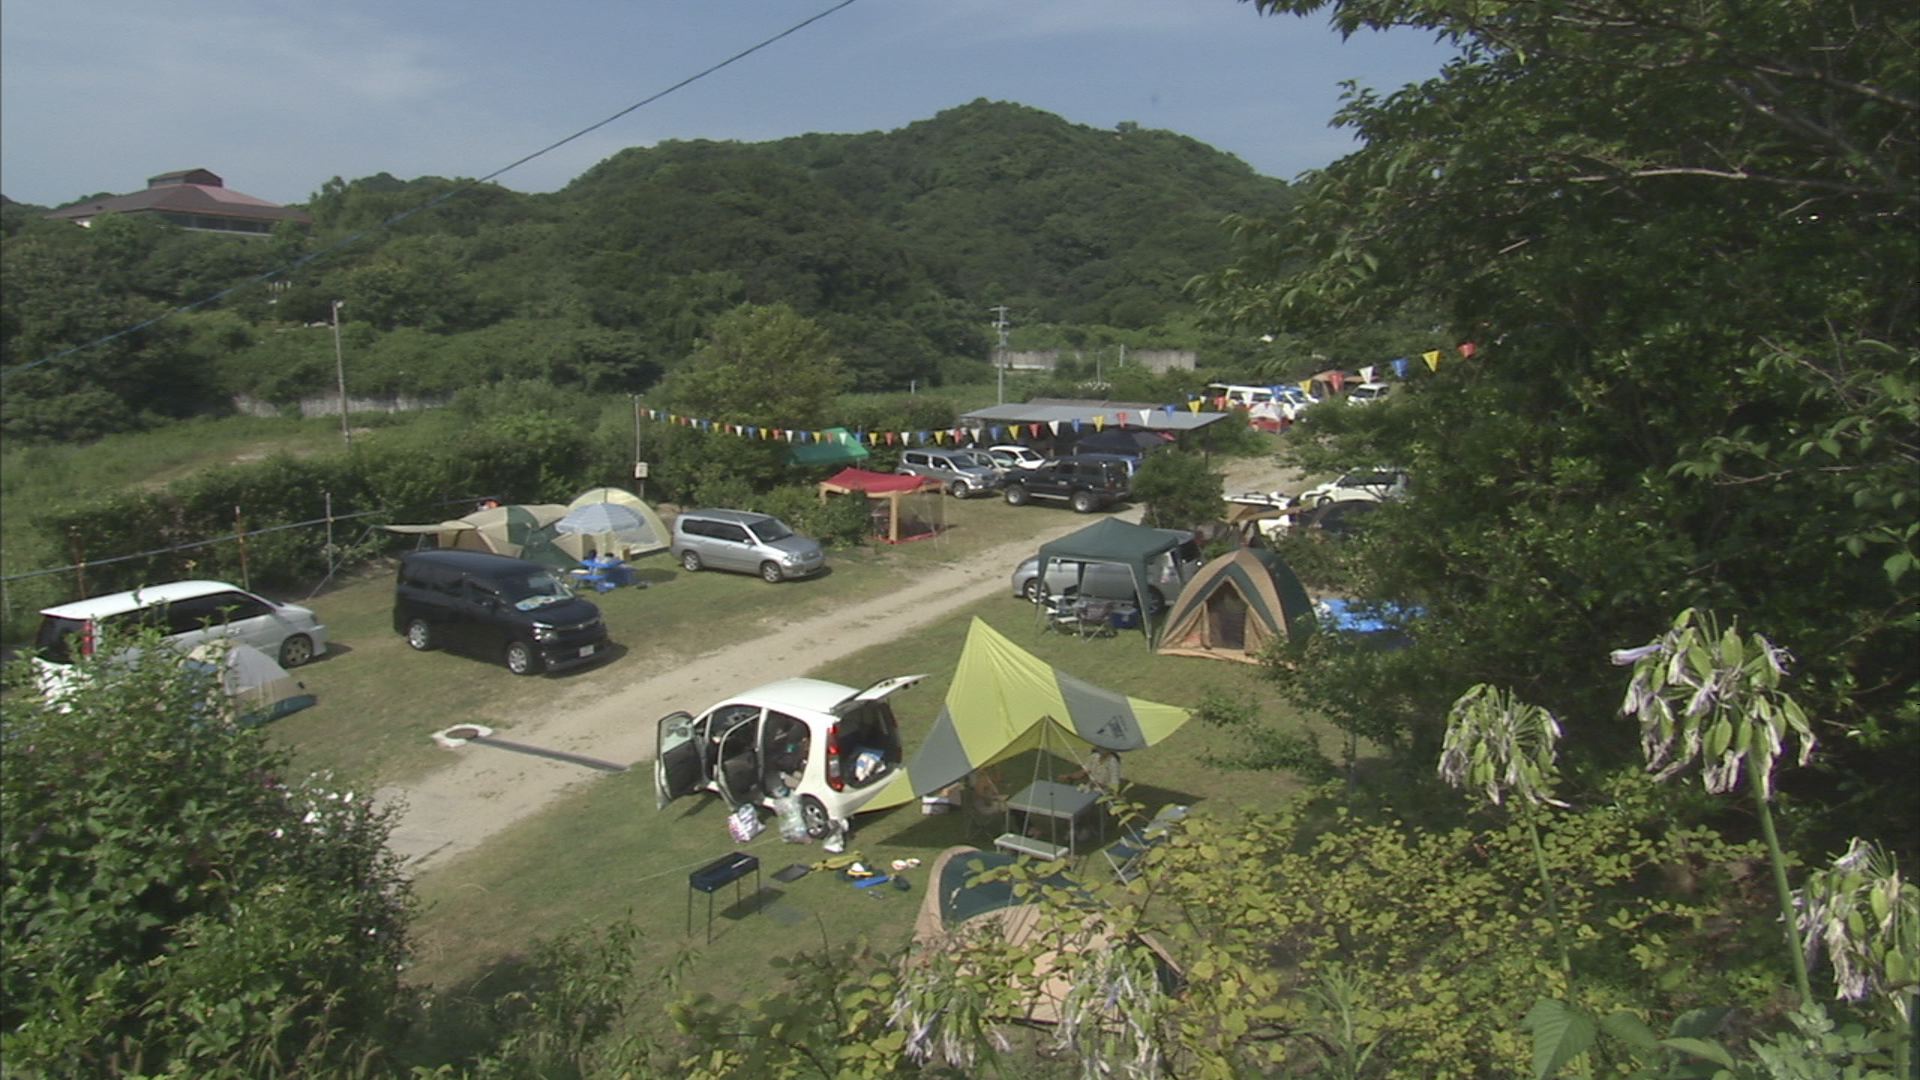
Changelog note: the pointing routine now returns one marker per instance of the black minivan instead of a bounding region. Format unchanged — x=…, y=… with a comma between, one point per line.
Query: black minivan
x=496, y=608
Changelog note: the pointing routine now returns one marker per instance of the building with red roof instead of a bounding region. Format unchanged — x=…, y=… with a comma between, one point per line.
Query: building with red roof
x=190, y=199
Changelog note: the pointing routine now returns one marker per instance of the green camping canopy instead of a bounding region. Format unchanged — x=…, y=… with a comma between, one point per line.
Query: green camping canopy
x=1005, y=701
x=1111, y=540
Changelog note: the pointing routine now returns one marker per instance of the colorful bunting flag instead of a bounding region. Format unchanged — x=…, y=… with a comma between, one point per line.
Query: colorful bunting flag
x=1432, y=358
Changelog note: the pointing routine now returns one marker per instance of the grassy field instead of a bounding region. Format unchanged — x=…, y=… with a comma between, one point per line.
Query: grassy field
x=607, y=854
x=379, y=700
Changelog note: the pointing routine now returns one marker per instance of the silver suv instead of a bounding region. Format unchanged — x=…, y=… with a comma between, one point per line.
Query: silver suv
x=961, y=472
x=748, y=542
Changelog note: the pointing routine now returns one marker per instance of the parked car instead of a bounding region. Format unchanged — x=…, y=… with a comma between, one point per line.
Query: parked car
x=1011, y=456
x=1167, y=575
x=744, y=541
x=188, y=613
x=830, y=745
x=1086, y=483
x=1362, y=485
x=516, y=612
x=961, y=472
x=1129, y=462
x=1368, y=393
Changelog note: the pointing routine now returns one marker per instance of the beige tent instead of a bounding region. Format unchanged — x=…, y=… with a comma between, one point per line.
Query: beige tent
x=578, y=531
x=955, y=908
x=1235, y=605
x=523, y=532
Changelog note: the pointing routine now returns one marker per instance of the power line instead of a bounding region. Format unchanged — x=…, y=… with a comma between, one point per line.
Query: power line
x=429, y=204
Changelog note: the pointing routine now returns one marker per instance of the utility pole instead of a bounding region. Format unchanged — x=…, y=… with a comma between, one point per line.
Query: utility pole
x=1000, y=323
x=340, y=373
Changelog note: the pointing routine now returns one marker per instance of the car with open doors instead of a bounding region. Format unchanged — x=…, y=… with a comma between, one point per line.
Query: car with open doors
x=828, y=744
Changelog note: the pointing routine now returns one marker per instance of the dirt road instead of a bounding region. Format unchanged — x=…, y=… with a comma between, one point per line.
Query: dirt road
x=483, y=790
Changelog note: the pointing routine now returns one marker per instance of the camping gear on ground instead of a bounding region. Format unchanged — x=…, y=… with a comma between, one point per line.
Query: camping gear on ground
x=744, y=823
x=1005, y=701
x=531, y=532
x=1235, y=606
x=613, y=521
x=259, y=691
x=1128, y=855
x=793, y=823
x=709, y=879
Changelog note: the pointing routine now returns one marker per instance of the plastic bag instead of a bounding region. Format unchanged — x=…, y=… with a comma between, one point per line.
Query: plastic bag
x=743, y=824
x=793, y=823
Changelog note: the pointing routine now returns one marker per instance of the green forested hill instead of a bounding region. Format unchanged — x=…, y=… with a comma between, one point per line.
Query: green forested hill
x=896, y=242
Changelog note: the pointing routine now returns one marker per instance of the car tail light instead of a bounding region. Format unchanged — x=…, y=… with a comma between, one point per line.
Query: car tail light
x=87, y=642
x=835, y=779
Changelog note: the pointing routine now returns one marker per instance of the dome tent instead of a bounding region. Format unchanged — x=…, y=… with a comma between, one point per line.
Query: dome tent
x=1235, y=605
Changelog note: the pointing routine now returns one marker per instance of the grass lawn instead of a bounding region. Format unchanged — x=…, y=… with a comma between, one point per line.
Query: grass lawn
x=379, y=701
x=605, y=853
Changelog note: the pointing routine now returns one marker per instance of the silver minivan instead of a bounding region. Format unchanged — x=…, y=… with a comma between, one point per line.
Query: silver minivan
x=961, y=472
x=744, y=541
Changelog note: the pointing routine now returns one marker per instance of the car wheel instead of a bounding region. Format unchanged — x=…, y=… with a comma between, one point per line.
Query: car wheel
x=690, y=562
x=521, y=659
x=295, y=651
x=815, y=815
x=770, y=572
x=1034, y=590
x=957, y=488
x=1016, y=496
x=1084, y=502
x=420, y=635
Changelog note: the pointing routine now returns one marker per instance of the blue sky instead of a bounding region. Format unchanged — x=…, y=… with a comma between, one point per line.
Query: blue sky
x=278, y=96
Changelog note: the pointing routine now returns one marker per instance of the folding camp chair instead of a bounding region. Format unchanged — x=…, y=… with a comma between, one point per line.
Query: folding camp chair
x=1128, y=855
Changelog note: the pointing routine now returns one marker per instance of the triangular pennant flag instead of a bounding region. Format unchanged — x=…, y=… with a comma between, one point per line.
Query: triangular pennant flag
x=1366, y=373
x=1467, y=349
x=1193, y=406
x=1099, y=423
x=1306, y=387
x=1399, y=367
x=1122, y=421
x=1036, y=430
x=1432, y=358
x=923, y=437
x=1053, y=427
x=1338, y=379
x=939, y=438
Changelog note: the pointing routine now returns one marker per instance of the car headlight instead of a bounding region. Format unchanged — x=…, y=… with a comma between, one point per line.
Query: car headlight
x=543, y=632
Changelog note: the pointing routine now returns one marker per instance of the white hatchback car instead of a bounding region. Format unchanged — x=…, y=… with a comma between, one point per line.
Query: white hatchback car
x=1009, y=456
x=829, y=744
x=1368, y=393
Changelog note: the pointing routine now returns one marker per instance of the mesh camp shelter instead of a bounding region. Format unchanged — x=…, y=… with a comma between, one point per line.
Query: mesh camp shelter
x=1123, y=543
x=1005, y=701
x=903, y=507
x=520, y=531
x=610, y=520
x=1235, y=605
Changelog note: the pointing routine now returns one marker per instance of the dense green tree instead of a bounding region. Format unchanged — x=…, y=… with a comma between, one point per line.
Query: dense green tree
x=177, y=901
x=1680, y=241
x=760, y=366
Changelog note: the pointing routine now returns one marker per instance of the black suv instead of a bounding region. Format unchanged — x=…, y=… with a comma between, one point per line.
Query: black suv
x=1086, y=484
x=517, y=612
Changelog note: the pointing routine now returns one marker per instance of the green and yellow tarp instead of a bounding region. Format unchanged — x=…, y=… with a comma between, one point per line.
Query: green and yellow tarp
x=1005, y=701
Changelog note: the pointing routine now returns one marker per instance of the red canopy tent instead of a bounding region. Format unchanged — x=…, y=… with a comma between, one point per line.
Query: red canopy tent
x=904, y=507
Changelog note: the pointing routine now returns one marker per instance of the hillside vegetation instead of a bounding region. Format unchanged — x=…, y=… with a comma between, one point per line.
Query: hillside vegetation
x=895, y=243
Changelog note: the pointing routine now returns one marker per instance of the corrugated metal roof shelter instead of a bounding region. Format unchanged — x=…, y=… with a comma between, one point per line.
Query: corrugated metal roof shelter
x=1059, y=416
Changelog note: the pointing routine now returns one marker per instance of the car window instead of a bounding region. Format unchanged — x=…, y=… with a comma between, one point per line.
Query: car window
x=726, y=530
x=234, y=606
x=772, y=530
x=55, y=639
x=534, y=590
x=192, y=613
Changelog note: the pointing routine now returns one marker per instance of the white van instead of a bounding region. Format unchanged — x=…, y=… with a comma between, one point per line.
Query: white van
x=831, y=745
x=188, y=613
